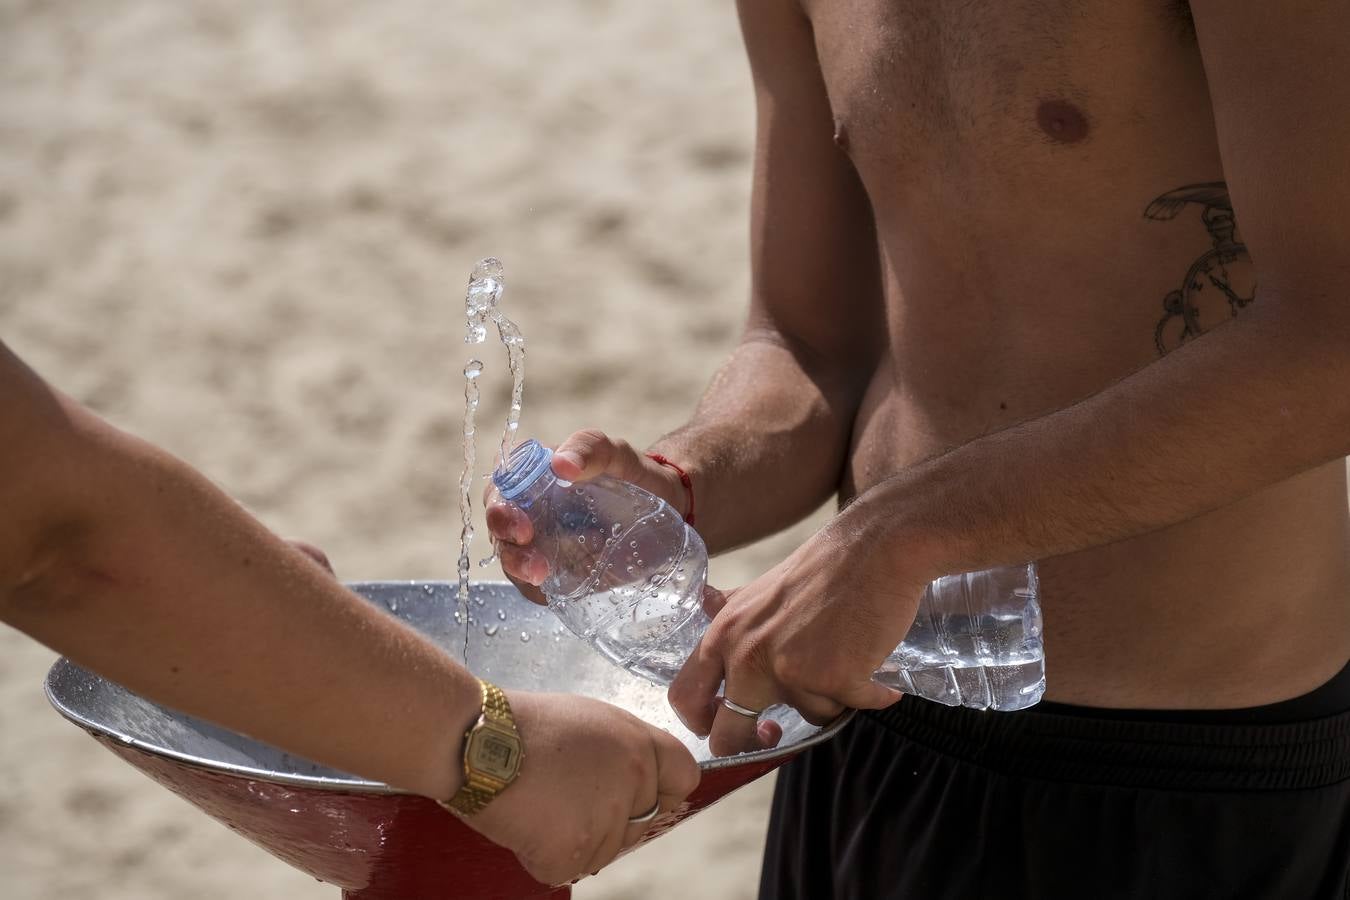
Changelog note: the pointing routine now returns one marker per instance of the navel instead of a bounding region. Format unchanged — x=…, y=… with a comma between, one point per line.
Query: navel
x=841, y=136
x=1061, y=121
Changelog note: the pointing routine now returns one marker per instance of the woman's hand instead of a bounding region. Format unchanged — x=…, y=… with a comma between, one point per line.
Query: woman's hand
x=583, y=456
x=588, y=768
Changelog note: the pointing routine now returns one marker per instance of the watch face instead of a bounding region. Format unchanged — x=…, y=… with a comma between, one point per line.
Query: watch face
x=495, y=753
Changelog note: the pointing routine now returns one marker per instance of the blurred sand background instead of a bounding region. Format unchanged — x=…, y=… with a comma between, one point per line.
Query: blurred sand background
x=242, y=230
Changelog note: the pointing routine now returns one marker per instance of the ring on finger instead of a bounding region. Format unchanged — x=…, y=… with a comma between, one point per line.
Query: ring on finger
x=740, y=710
x=647, y=816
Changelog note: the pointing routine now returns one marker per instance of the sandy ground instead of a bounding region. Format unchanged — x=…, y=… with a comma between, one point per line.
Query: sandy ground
x=241, y=230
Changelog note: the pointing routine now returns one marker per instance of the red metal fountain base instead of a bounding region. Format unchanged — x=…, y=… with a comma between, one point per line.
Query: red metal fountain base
x=385, y=846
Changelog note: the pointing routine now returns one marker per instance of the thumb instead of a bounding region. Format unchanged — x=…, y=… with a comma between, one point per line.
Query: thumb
x=590, y=453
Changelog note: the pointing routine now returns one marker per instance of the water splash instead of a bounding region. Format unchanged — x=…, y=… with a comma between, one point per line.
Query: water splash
x=514, y=342
x=481, y=307
x=472, y=370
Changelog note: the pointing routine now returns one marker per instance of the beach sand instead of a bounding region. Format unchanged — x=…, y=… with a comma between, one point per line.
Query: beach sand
x=241, y=230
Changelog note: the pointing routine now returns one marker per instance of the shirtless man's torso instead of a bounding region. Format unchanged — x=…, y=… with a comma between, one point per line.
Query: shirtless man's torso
x=1045, y=179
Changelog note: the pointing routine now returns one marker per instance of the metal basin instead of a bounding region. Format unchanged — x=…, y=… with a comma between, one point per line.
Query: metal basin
x=362, y=836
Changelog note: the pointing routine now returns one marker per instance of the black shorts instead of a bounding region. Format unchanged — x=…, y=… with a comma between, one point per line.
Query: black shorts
x=927, y=802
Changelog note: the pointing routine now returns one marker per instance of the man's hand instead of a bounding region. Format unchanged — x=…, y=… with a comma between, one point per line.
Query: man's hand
x=809, y=633
x=583, y=456
x=588, y=768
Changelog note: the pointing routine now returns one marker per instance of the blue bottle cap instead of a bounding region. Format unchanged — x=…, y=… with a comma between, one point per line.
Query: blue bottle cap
x=528, y=462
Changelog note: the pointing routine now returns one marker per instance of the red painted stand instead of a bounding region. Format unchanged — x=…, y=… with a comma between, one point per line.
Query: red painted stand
x=385, y=846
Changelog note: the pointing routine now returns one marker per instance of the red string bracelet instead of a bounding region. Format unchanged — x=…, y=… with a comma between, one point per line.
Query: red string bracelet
x=684, y=480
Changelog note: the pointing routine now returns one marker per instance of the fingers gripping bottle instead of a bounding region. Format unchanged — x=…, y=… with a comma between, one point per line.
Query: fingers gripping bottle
x=626, y=574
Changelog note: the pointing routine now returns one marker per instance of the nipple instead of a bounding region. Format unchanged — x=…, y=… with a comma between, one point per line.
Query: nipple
x=1061, y=121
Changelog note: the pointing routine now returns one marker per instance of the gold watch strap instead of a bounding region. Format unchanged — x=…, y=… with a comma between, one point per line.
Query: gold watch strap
x=495, y=706
x=469, y=800
x=478, y=790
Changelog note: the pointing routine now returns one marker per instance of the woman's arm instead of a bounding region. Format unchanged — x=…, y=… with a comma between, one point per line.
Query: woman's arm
x=128, y=561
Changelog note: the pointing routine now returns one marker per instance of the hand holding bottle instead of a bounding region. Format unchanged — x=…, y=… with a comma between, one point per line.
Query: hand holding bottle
x=810, y=633
x=584, y=456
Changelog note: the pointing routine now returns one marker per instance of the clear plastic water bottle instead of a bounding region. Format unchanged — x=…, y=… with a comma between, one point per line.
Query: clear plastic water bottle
x=626, y=574
x=976, y=641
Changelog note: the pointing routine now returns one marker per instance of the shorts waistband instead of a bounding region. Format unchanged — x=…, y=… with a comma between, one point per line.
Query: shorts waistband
x=1165, y=755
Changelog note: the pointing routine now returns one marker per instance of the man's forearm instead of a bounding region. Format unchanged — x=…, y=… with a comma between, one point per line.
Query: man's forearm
x=767, y=444
x=1256, y=401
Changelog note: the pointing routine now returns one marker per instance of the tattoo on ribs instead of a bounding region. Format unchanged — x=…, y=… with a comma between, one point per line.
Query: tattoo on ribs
x=1219, y=283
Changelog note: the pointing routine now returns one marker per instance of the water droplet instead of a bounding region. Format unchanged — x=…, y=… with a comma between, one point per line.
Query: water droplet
x=581, y=539
x=615, y=528
x=487, y=267
x=632, y=543
x=524, y=637
x=483, y=293
x=630, y=570
x=472, y=369
x=491, y=630
x=501, y=614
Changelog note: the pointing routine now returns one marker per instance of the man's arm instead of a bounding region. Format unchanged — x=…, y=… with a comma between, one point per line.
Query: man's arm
x=1253, y=402
x=770, y=437
x=769, y=440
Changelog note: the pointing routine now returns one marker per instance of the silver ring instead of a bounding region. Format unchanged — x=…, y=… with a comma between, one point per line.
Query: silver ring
x=741, y=710
x=647, y=816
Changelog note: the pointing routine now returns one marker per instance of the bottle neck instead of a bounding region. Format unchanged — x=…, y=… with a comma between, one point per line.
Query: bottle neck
x=526, y=475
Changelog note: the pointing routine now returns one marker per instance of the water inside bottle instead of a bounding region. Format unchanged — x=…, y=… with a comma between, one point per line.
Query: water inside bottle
x=993, y=661
x=627, y=574
x=661, y=620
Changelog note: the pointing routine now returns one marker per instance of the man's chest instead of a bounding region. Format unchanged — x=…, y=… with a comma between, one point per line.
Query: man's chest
x=925, y=85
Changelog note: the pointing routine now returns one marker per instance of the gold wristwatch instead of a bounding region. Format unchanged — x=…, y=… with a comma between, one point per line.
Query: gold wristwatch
x=492, y=754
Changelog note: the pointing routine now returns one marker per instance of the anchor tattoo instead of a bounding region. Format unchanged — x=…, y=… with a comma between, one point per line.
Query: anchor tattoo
x=1227, y=268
